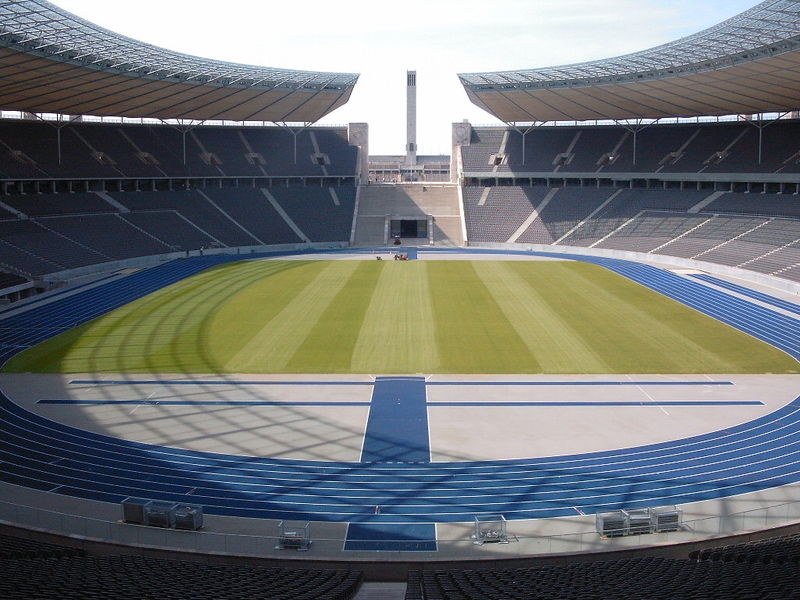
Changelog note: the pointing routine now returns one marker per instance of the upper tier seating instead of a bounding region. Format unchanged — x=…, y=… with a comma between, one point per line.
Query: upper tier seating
x=29, y=150
x=682, y=148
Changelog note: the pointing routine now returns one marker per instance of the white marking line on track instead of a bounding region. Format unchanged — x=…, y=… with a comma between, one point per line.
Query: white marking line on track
x=649, y=397
x=135, y=408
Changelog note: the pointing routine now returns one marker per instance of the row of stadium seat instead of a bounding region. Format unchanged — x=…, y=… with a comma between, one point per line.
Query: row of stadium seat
x=8, y=280
x=634, y=579
x=91, y=150
x=777, y=549
x=14, y=547
x=56, y=237
x=760, y=232
x=135, y=577
x=64, y=231
x=684, y=148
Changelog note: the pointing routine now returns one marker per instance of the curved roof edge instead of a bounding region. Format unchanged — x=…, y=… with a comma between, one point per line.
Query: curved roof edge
x=748, y=64
x=768, y=29
x=45, y=49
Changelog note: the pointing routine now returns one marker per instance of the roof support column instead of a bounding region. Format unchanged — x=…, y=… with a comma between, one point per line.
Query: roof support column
x=61, y=122
x=758, y=121
x=635, y=129
x=295, y=132
x=184, y=128
x=527, y=130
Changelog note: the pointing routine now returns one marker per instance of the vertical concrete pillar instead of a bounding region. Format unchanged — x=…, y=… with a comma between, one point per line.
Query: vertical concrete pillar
x=411, y=118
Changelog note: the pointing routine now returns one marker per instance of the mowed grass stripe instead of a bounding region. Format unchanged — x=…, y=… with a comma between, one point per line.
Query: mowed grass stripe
x=545, y=328
x=623, y=334
x=637, y=330
x=643, y=333
x=329, y=344
x=706, y=343
x=274, y=344
x=397, y=334
x=473, y=335
x=136, y=337
x=405, y=317
x=241, y=319
x=203, y=348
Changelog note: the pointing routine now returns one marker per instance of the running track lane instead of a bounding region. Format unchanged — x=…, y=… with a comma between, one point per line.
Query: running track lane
x=53, y=457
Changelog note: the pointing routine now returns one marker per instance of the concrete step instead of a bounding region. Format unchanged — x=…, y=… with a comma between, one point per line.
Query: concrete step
x=379, y=590
x=376, y=202
x=408, y=200
x=369, y=230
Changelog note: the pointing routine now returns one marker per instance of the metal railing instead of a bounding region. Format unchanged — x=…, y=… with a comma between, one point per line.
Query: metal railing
x=214, y=542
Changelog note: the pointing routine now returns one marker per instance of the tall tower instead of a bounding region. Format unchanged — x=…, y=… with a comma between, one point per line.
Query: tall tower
x=411, y=118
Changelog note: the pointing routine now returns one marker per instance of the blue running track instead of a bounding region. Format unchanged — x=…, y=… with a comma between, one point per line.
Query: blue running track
x=754, y=294
x=397, y=426
x=50, y=456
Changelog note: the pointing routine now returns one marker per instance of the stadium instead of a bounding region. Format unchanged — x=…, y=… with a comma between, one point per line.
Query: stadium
x=244, y=358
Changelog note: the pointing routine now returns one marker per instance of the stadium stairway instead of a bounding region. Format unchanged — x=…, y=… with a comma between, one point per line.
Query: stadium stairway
x=377, y=202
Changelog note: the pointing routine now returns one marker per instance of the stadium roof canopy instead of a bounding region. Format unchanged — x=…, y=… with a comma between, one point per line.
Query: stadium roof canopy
x=749, y=64
x=52, y=61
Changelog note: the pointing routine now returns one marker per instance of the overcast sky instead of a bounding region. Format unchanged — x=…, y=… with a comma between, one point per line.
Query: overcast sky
x=381, y=40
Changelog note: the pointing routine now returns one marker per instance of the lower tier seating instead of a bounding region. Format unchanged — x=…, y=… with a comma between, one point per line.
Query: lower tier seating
x=135, y=578
x=683, y=223
x=778, y=550
x=633, y=579
x=14, y=548
x=66, y=231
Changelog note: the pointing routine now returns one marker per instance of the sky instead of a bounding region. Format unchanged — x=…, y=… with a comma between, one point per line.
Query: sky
x=381, y=41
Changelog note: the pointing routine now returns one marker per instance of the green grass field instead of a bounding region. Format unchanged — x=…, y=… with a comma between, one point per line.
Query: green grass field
x=350, y=316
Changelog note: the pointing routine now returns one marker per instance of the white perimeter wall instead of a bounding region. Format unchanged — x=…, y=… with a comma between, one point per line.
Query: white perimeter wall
x=657, y=259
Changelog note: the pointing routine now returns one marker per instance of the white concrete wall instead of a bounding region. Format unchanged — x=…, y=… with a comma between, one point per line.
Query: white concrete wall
x=684, y=263
x=90, y=271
